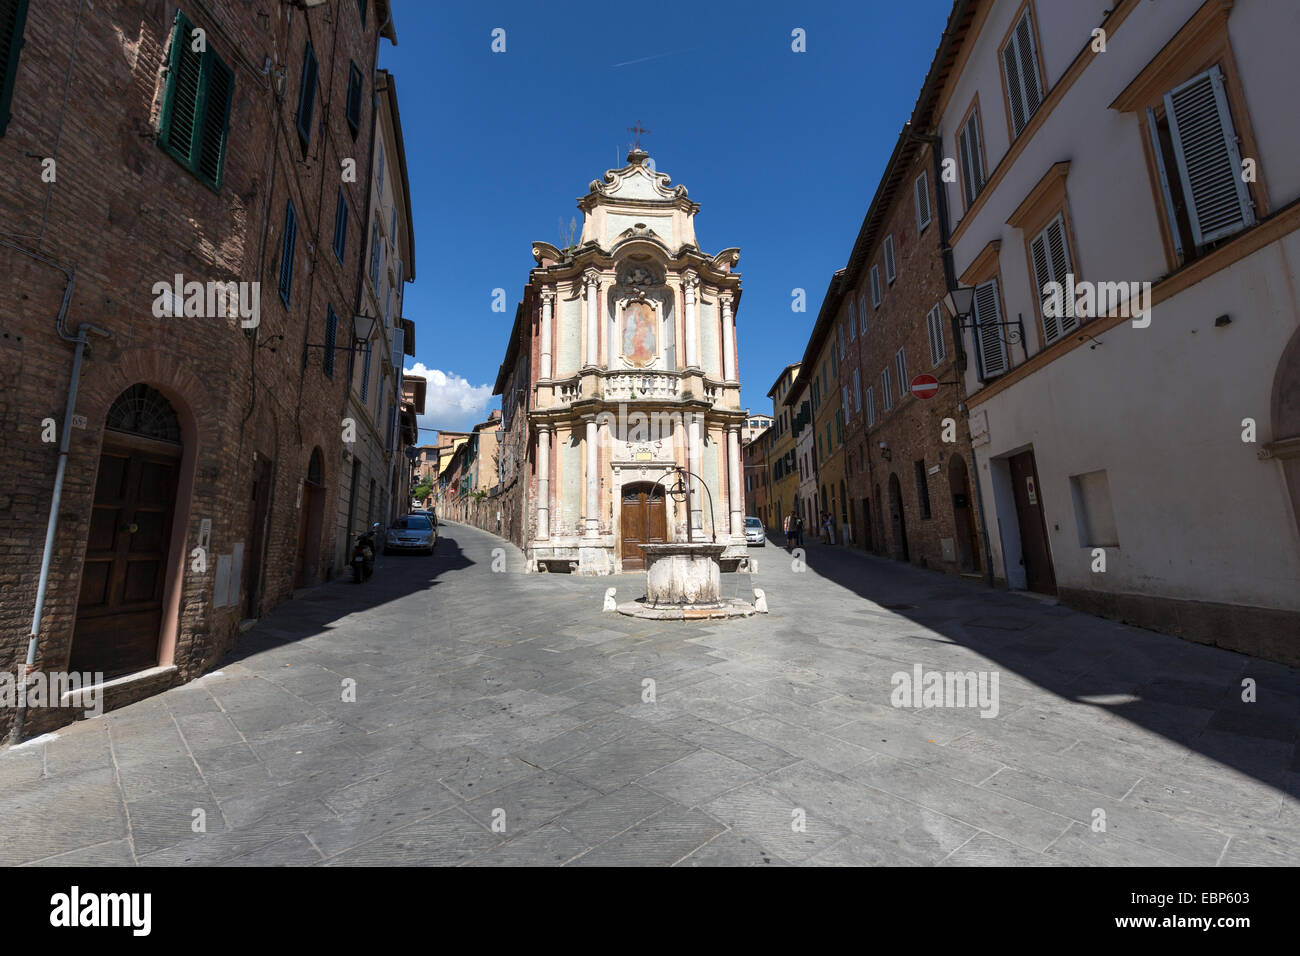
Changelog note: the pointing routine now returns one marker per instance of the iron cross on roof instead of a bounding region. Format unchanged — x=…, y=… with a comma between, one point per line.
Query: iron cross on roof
x=638, y=130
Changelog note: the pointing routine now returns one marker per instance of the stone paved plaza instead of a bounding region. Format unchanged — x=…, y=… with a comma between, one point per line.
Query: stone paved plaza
x=500, y=718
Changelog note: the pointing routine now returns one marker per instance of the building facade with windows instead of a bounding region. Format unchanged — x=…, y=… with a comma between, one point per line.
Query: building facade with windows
x=374, y=469
x=907, y=459
x=170, y=312
x=783, y=464
x=1127, y=220
x=632, y=333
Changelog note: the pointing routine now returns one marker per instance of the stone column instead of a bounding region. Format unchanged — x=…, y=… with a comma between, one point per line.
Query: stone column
x=728, y=340
x=548, y=301
x=591, y=279
x=690, y=285
x=593, y=481
x=543, y=482
x=733, y=481
x=693, y=463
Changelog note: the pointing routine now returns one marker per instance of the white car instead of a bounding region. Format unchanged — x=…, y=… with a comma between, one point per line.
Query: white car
x=755, y=533
x=411, y=533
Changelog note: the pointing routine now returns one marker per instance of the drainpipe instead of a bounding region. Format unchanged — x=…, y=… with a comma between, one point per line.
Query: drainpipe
x=950, y=277
x=56, y=498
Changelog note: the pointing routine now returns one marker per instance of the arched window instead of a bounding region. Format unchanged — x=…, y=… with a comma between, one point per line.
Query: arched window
x=142, y=410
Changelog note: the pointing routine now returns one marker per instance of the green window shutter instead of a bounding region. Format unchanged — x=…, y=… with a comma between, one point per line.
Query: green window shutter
x=196, y=107
x=286, y=254
x=13, y=16
x=180, y=116
x=218, y=86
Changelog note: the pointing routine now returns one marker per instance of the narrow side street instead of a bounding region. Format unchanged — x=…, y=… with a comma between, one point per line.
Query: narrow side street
x=502, y=718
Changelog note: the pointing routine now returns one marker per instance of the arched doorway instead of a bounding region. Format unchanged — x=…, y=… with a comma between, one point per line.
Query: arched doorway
x=963, y=516
x=123, y=576
x=311, y=513
x=897, y=519
x=643, y=519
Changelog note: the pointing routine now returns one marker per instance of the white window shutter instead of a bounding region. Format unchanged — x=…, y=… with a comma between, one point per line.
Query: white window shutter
x=1020, y=68
x=1051, y=256
x=1209, y=161
x=921, y=189
x=862, y=311
x=875, y=286
x=990, y=343
x=399, y=343
x=934, y=322
x=964, y=153
x=901, y=361
x=891, y=272
x=871, y=406
x=972, y=158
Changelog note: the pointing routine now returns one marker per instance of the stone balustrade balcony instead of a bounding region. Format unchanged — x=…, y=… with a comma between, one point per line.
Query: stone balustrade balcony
x=636, y=385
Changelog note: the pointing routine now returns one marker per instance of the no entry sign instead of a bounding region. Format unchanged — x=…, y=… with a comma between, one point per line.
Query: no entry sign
x=925, y=386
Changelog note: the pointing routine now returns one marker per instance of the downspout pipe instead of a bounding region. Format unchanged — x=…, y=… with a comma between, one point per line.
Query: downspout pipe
x=950, y=278
x=52, y=526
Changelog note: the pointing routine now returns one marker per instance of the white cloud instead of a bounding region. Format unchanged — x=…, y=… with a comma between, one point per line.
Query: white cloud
x=450, y=402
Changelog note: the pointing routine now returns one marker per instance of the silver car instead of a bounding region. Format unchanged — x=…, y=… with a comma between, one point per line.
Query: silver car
x=411, y=533
x=755, y=533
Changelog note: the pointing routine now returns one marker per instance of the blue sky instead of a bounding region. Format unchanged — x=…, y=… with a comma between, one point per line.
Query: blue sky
x=782, y=151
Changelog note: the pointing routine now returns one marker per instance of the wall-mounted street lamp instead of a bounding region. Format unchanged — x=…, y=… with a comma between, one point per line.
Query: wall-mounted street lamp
x=363, y=326
x=960, y=305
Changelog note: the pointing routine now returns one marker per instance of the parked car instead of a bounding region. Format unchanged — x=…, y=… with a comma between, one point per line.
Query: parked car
x=755, y=533
x=431, y=515
x=411, y=533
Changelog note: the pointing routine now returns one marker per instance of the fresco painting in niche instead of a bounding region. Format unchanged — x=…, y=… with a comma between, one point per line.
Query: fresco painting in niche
x=640, y=343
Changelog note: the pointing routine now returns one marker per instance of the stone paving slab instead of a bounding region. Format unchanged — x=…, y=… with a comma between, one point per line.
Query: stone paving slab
x=502, y=719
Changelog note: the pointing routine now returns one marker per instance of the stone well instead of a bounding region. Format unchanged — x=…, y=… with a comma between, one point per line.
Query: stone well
x=683, y=581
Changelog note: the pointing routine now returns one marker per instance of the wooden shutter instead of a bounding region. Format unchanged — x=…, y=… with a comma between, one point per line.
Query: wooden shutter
x=365, y=372
x=891, y=272
x=219, y=84
x=180, y=117
x=900, y=359
x=886, y=393
x=286, y=253
x=853, y=319
x=972, y=160
x=921, y=189
x=1209, y=161
x=1020, y=68
x=1051, y=256
x=307, y=94
x=341, y=225
x=13, y=18
x=399, y=346
x=354, y=98
x=331, y=339
x=990, y=343
x=875, y=286
x=871, y=406
x=934, y=324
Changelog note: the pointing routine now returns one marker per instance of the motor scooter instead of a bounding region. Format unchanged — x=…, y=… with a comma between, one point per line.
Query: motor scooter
x=363, y=555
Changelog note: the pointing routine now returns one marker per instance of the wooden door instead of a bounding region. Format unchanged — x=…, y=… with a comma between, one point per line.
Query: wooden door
x=643, y=520
x=898, y=519
x=119, y=610
x=261, y=503
x=1035, y=551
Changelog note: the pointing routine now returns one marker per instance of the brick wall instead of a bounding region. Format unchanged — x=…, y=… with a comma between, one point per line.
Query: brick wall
x=127, y=215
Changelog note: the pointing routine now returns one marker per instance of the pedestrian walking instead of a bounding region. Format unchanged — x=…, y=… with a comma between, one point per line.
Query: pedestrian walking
x=791, y=529
x=798, y=527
